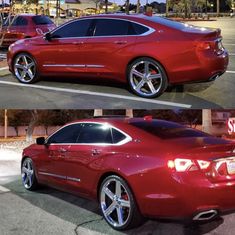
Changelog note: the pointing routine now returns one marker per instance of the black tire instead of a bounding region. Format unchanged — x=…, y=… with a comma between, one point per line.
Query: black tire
x=26, y=167
x=155, y=69
x=132, y=215
x=27, y=66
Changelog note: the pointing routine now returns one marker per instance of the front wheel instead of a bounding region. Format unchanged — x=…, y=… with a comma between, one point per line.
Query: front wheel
x=147, y=78
x=25, y=68
x=118, y=204
x=28, y=175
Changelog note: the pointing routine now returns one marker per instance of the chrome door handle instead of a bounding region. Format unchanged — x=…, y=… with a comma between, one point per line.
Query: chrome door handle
x=62, y=150
x=95, y=152
x=120, y=42
x=78, y=43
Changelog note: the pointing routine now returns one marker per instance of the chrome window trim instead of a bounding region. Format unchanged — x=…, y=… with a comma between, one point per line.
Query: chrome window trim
x=150, y=29
x=59, y=176
x=126, y=140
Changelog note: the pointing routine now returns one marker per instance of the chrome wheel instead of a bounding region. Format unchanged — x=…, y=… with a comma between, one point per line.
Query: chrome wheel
x=25, y=68
x=27, y=173
x=115, y=202
x=147, y=78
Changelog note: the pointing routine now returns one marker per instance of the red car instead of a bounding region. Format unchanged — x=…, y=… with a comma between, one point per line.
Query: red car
x=24, y=26
x=135, y=168
x=147, y=52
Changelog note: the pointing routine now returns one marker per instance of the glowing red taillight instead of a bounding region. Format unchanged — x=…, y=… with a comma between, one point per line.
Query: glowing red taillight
x=184, y=165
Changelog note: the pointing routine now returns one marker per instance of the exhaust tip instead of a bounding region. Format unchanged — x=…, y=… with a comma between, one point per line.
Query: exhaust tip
x=205, y=215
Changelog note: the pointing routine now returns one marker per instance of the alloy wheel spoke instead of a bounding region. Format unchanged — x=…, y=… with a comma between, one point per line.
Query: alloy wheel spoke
x=29, y=72
x=146, y=67
x=108, y=193
x=155, y=76
x=151, y=87
x=19, y=66
x=30, y=180
x=30, y=64
x=140, y=85
x=25, y=60
x=24, y=170
x=137, y=73
x=125, y=203
x=120, y=216
x=118, y=190
x=110, y=209
x=23, y=74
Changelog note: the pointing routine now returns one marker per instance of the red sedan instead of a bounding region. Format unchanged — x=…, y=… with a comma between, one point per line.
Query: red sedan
x=24, y=26
x=147, y=52
x=136, y=168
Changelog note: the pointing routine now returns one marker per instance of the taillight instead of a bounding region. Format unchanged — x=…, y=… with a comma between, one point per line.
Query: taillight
x=184, y=165
x=219, y=47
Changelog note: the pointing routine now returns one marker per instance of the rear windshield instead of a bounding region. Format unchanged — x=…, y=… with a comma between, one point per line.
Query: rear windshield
x=167, y=130
x=40, y=20
x=167, y=22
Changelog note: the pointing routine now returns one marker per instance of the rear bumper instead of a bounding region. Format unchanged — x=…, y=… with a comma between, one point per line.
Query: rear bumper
x=187, y=196
x=208, y=67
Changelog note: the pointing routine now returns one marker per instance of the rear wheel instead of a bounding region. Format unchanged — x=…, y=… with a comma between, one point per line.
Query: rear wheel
x=147, y=78
x=118, y=205
x=29, y=179
x=25, y=68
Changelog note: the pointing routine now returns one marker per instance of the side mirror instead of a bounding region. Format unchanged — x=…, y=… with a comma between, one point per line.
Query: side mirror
x=40, y=140
x=48, y=36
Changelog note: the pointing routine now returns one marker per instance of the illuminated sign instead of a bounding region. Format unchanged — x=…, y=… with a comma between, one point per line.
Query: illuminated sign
x=231, y=126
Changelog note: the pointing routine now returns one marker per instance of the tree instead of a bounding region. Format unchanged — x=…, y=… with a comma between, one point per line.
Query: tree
x=167, y=7
x=127, y=7
x=97, y=3
x=31, y=126
x=206, y=121
x=218, y=7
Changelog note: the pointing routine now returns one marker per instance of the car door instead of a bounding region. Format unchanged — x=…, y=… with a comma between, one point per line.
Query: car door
x=64, y=51
x=86, y=157
x=53, y=166
x=110, y=47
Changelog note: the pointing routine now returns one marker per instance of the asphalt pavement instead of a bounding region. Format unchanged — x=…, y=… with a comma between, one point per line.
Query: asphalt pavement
x=48, y=211
x=82, y=93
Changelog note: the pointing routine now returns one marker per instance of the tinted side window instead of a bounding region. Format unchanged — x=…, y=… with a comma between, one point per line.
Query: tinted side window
x=137, y=29
x=167, y=130
x=68, y=134
x=20, y=21
x=74, y=29
x=117, y=136
x=95, y=133
x=109, y=27
x=41, y=20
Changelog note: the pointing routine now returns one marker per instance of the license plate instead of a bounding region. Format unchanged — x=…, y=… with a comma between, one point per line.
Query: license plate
x=231, y=167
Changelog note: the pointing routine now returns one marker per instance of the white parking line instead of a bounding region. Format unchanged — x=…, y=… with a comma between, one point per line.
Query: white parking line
x=3, y=68
x=232, y=54
x=228, y=44
x=3, y=189
x=230, y=71
x=124, y=97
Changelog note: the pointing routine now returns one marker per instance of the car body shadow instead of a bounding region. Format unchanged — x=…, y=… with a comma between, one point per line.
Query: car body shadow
x=86, y=214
